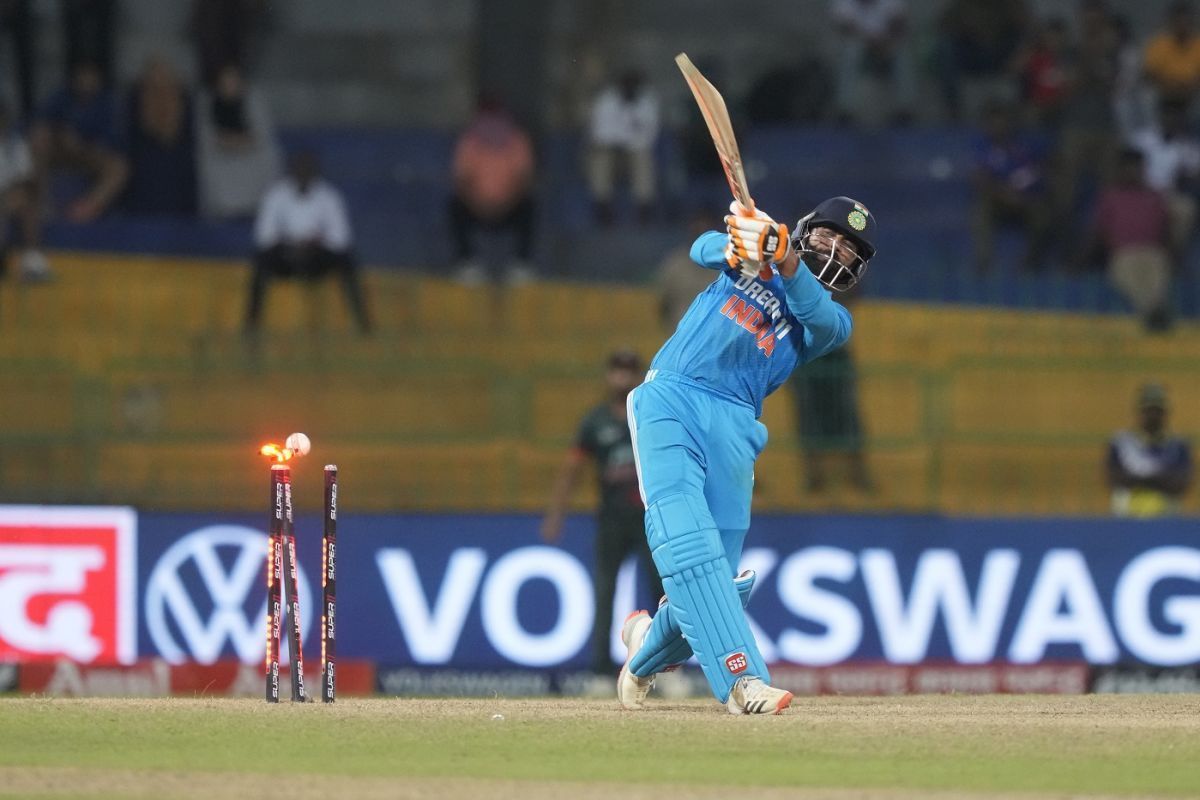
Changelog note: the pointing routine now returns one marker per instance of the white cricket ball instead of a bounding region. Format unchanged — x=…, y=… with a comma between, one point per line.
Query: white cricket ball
x=298, y=443
x=497, y=716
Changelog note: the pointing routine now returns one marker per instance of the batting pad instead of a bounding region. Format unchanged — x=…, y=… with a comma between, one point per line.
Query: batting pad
x=664, y=645
x=697, y=579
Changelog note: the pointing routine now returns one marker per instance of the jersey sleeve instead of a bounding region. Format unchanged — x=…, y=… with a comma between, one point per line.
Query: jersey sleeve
x=709, y=250
x=827, y=324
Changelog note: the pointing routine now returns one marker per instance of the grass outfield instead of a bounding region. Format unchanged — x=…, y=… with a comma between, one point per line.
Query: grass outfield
x=910, y=747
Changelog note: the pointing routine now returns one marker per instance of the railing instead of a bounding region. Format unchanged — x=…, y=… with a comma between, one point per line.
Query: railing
x=127, y=382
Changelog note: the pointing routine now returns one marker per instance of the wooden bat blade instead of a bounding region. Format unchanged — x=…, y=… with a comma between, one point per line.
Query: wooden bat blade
x=716, y=117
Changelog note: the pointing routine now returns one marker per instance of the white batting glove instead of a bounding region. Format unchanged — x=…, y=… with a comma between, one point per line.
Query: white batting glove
x=754, y=241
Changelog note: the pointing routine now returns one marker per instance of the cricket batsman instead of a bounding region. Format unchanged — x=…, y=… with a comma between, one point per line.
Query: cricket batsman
x=696, y=435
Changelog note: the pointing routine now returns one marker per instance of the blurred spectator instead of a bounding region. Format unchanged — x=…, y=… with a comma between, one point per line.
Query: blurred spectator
x=493, y=190
x=88, y=35
x=238, y=156
x=1173, y=56
x=825, y=398
x=161, y=143
x=1010, y=188
x=1148, y=471
x=1133, y=99
x=1041, y=68
x=977, y=42
x=680, y=279
x=875, y=49
x=78, y=132
x=1172, y=154
x=224, y=32
x=18, y=202
x=622, y=134
x=797, y=91
x=1088, y=137
x=1131, y=223
x=18, y=24
x=604, y=438
x=303, y=231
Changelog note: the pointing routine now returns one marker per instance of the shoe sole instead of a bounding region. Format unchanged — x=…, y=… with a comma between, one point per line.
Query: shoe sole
x=783, y=703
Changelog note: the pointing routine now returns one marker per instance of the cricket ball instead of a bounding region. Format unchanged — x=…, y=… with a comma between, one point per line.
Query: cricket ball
x=299, y=443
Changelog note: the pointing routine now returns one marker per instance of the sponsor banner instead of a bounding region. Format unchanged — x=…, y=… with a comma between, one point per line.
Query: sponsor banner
x=203, y=596
x=68, y=584
x=844, y=679
x=158, y=678
x=482, y=592
x=417, y=682
x=887, y=679
x=1146, y=680
x=496, y=598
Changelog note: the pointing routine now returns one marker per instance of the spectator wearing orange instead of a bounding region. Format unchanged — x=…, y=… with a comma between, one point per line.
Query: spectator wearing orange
x=161, y=143
x=1173, y=56
x=493, y=175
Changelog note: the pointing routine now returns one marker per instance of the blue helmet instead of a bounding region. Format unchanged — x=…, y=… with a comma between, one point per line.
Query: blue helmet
x=849, y=218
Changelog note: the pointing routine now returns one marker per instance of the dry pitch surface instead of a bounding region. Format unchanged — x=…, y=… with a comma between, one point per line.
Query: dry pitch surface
x=843, y=748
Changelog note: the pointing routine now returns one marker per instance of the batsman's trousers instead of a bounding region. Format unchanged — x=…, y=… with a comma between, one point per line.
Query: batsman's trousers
x=695, y=453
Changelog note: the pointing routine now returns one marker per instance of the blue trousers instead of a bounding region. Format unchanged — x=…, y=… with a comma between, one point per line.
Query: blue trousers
x=695, y=455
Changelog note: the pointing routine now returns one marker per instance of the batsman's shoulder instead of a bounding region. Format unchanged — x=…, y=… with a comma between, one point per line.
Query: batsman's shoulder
x=709, y=249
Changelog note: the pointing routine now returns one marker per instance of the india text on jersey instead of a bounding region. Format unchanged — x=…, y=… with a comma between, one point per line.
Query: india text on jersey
x=768, y=324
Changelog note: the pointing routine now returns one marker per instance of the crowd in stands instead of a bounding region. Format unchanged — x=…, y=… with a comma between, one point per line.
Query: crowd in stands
x=1085, y=126
x=161, y=146
x=1055, y=102
x=1084, y=140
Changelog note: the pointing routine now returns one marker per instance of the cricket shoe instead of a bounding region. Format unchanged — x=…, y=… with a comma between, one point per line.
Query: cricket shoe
x=632, y=690
x=750, y=695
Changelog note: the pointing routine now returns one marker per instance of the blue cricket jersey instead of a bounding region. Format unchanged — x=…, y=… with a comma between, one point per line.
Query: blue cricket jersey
x=742, y=337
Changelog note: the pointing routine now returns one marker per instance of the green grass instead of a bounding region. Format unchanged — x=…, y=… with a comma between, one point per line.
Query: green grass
x=1084, y=745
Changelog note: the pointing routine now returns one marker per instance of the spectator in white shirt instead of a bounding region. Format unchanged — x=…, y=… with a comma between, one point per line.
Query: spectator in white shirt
x=303, y=231
x=1172, y=156
x=622, y=133
x=874, y=47
x=18, y=202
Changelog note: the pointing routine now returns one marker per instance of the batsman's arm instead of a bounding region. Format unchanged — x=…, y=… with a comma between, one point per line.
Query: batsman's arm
x=827, y=324
x=709, y=250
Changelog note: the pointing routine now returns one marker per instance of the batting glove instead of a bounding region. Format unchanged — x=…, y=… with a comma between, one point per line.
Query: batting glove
x=754, y=241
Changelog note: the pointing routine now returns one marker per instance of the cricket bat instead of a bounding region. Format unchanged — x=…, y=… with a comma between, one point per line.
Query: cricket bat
x=716, y=116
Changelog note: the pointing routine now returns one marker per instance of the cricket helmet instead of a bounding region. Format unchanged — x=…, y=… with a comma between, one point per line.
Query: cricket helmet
x=849, y=218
